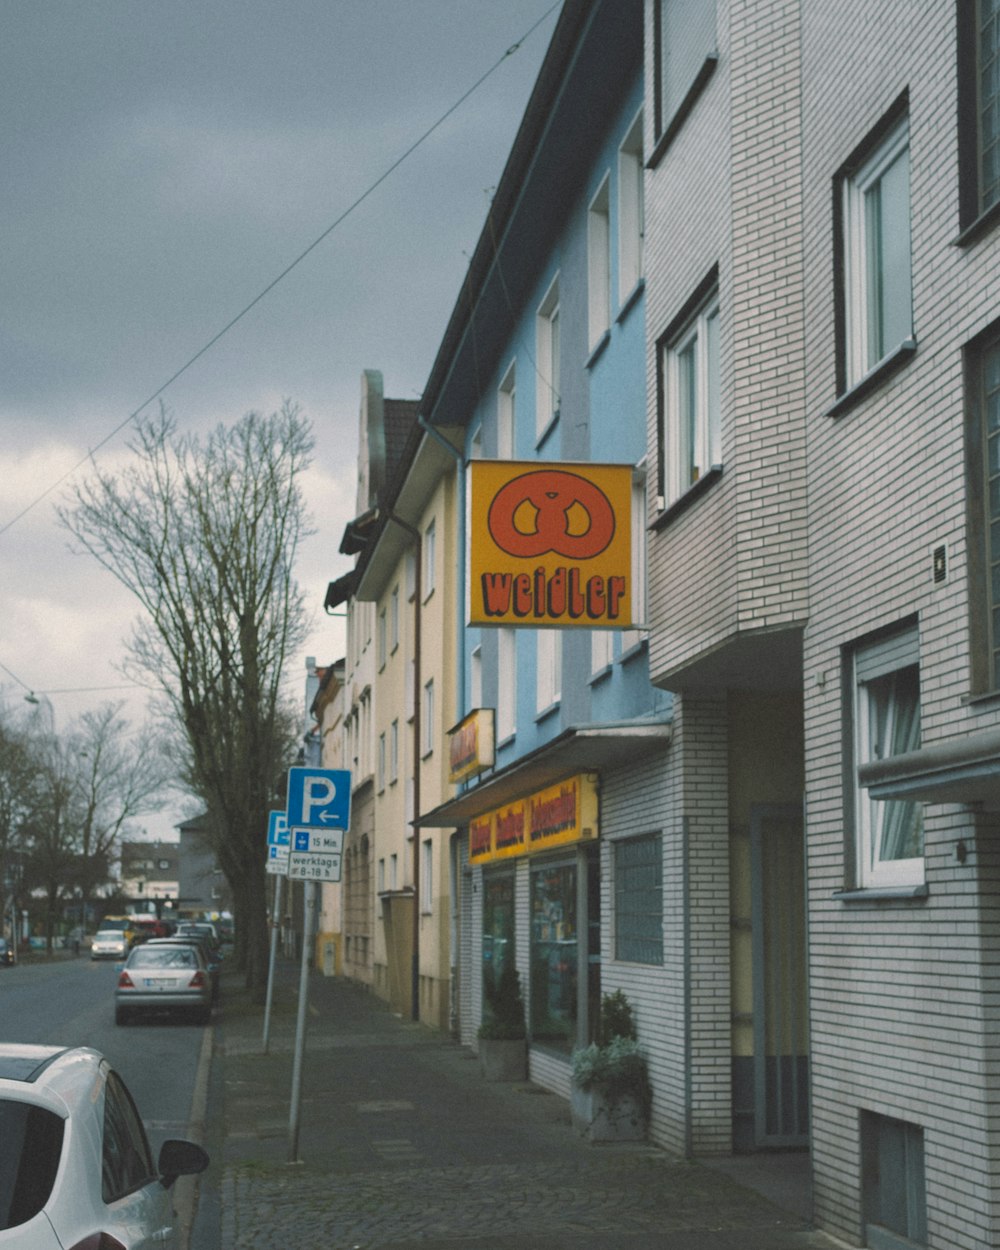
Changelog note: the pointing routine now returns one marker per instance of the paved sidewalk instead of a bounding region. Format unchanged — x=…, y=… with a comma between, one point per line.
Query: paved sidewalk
x=402, y=1146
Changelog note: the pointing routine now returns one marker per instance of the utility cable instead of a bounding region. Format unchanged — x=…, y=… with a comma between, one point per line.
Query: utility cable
x=514, y=47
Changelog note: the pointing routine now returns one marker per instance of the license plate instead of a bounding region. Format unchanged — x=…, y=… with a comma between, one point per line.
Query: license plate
x=155, y=983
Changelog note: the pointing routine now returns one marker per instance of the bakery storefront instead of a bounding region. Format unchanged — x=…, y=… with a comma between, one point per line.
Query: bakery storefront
x=528, y=865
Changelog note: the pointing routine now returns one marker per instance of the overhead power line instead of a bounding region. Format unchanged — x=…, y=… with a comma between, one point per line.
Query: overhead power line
x=207, y=347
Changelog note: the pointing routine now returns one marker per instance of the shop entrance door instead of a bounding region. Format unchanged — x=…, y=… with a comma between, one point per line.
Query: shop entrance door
x=780, y=992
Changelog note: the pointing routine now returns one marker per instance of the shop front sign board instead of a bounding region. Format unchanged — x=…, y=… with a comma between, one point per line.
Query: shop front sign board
x=560, y=815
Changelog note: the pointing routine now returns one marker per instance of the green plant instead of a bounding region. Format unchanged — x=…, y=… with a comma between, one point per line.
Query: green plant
x=504, y=1020
x=614, y=1066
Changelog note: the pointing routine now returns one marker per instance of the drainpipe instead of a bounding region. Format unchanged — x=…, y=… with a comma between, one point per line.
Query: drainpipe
x=453, y=867
x=418, y=595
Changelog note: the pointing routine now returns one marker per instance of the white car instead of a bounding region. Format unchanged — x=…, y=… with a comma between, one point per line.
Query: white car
x=109, y=944
x=76, y=1171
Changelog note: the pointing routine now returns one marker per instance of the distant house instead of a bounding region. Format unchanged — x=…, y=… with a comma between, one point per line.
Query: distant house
x=150, y=876
x=202, y=886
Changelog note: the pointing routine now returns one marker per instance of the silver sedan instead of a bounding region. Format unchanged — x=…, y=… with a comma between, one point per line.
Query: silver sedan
x=164, y=978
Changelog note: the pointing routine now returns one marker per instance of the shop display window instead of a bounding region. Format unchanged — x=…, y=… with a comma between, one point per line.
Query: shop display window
x=498, y=929
x=553, y=996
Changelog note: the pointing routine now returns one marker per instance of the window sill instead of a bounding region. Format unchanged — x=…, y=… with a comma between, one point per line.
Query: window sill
x=543, y=434
x=506, y=742
x=597, y=677
x=690, y=496
x=546, y=712
x=883, y=894
x=630, y=300
x=673, y=127
x=975, y=230
x=887, y=366
x=597, y=351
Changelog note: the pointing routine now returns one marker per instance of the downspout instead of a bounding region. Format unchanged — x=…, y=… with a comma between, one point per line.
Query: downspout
x=418, y=595
x=453, y=865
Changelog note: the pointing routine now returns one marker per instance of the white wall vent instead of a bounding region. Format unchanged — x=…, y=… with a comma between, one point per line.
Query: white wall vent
x=939, y=563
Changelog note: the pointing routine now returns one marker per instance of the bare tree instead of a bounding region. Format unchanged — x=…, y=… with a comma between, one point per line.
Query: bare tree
x=19, y=770
x=205, y=537
x=118, y=779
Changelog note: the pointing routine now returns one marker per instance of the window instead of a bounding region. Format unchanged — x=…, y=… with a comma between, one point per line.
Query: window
x=476, y=677
x=380, y=639
x=894, y=1197
x=506, y=414
x=553, y=995
x=381, y=761
x=380, y=876
x=639, y=899
x=394, y=752
x=506, y=683
x=979, y=107
x=127, y=1163
x=631, y=212
x=633, y=637
x=427, y=725
x=689, y=385
x=394, y=619
x=684, y=47
x=875, y=243
x=427, y=876
x=430, y=559
x=599, y=265
x=498, y=932
x=886, y=684
x=31, y=1140
x=983, y=381
x=601, y=650
x=548, y=668
x=548, y=354
x=393, y=872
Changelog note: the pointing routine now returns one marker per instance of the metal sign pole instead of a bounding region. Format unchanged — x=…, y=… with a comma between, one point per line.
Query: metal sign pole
x=300, y=1026
x=275, y=923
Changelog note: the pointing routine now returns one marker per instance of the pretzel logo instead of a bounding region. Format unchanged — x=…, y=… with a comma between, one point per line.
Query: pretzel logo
x=551, y=511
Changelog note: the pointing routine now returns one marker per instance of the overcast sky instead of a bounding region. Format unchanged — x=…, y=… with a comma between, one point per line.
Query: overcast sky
x=161, y=162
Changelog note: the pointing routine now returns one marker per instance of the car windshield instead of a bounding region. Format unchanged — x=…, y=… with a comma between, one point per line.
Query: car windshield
x=30, y=1144
x=108, y=935
x=163, y=957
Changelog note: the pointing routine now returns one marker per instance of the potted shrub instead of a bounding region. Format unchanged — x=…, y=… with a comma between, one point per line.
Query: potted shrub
x=503, y=1045
x=611, y=1094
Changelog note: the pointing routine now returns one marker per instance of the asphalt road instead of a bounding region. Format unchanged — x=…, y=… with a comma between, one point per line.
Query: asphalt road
x=71, y=1002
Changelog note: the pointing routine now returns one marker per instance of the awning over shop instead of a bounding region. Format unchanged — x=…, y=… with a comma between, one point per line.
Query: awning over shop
x=579, y=749
x=962, y=770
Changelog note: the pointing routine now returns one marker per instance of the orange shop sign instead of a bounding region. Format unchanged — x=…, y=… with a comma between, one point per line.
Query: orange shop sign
x=556, y=816
x=550, y=544
x=471, y=745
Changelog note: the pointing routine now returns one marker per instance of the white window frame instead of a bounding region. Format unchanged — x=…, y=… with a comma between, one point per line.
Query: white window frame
x=631, y=638
x=602, y=651
x=548, y=668
x=548, y=338
x=507, y=414
x=876, y=668
x=693, y=438
x=476, y=677
x=506, y=683
x=866, y=343
x=427, y=719
x=599, y=264
x=381, y=762
x=394, y=752
x=380, y=644
x=430, y=558
x=394, y=619
x=631, y=211
x=427, y=876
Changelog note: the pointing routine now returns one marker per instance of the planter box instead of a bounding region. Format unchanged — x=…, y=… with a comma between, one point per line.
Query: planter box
x=599, y=1119
x=503, y=1059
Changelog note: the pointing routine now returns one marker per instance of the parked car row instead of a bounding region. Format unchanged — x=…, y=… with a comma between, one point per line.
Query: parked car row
x=173, y=974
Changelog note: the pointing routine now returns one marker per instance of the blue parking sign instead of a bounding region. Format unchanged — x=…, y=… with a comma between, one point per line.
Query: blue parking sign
x=319, y=798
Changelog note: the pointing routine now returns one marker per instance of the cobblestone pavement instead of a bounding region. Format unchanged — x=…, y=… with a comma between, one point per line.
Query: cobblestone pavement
x=402, y=1146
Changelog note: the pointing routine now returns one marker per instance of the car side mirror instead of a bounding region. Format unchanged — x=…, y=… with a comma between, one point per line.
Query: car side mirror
x=180, y=1158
